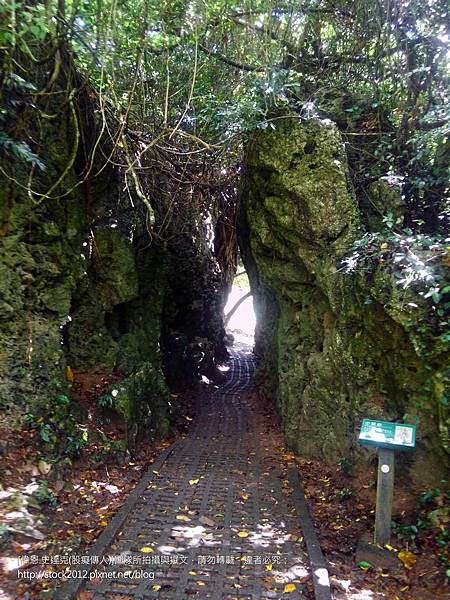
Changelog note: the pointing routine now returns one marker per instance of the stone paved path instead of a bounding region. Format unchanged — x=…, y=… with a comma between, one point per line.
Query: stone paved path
x=222, y=482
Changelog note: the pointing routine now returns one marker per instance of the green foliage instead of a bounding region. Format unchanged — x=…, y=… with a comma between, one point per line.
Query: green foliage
x=265, y=95
x=204, y=76
x=59, y=430
x=76, y=444
x=432, y=517
x=5, y=535
x=345, y=465
x=408, y=532
x=429, y=496
x=20, y=150
x=15, y=88
x=44, y=495
x=44, y=430
x=105, y=401
x=416, y=267
x=344, y=493
x=96, y=459
x=414, y=259
x=29, y=420
x=390, y=221
x=28, y=23
x=62, y=400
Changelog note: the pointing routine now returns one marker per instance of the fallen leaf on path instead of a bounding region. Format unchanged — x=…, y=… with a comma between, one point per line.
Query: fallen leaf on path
x=243, y=534
x=408, y=559
x=390, y=548
x=146, y=549
x=69, y=375
x=193, y=481
x=44, y=467
x=268, y=582
x=289, y=587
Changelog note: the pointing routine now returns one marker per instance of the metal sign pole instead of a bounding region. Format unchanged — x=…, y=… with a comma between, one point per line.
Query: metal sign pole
x=385, y=490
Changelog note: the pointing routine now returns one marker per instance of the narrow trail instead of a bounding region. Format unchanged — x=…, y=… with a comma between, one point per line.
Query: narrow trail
x=216, y=521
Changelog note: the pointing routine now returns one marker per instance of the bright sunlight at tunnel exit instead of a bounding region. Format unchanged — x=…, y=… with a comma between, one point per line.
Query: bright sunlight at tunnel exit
x=242, y=322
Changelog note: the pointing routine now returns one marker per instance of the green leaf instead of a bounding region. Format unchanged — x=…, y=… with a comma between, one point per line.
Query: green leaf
x=44, y=434
x=62, y=399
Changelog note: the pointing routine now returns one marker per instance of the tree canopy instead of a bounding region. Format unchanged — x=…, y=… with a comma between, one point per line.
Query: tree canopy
x=178, y=85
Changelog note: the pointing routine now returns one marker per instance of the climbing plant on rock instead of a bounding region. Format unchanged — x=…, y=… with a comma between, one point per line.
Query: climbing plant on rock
x=159, y=100
x=177, y=84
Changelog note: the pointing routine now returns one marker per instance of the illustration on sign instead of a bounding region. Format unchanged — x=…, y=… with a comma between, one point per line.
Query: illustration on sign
x=387, y=435
x=403, y=435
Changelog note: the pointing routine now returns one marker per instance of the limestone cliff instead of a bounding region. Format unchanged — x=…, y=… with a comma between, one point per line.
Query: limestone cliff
x=335, y=346
x=82, y=282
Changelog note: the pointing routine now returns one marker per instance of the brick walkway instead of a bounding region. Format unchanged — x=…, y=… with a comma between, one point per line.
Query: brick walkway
x=216, y=520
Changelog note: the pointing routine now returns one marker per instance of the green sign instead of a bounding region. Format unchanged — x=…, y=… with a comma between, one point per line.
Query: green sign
x=387, y=435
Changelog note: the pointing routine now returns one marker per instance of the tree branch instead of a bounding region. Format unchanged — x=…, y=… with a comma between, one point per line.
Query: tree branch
x=230, y=313
x=229, y=61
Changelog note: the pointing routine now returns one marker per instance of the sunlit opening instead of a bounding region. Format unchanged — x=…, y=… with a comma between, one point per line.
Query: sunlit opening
x=240, y=320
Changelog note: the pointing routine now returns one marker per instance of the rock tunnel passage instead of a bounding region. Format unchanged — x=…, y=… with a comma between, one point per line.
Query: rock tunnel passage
x=217, y=520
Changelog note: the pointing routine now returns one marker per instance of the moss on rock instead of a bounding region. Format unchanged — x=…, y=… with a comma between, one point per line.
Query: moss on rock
x=335, y=346
x=143, y=401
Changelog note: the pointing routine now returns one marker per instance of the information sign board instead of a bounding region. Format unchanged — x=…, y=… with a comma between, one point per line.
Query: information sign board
x=384, y=434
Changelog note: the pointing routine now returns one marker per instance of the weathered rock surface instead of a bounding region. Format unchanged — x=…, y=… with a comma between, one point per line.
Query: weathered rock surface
x=335, y=346
x=82, y=284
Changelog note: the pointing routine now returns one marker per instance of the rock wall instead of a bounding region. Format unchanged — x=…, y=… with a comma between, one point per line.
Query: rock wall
x=193, y=332
x=83, y=287
x=40, y=267
x=76, y=293
x=116, y=319
x=335, y=347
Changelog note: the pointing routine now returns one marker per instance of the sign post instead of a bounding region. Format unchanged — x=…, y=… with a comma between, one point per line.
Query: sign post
x=387, y=437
